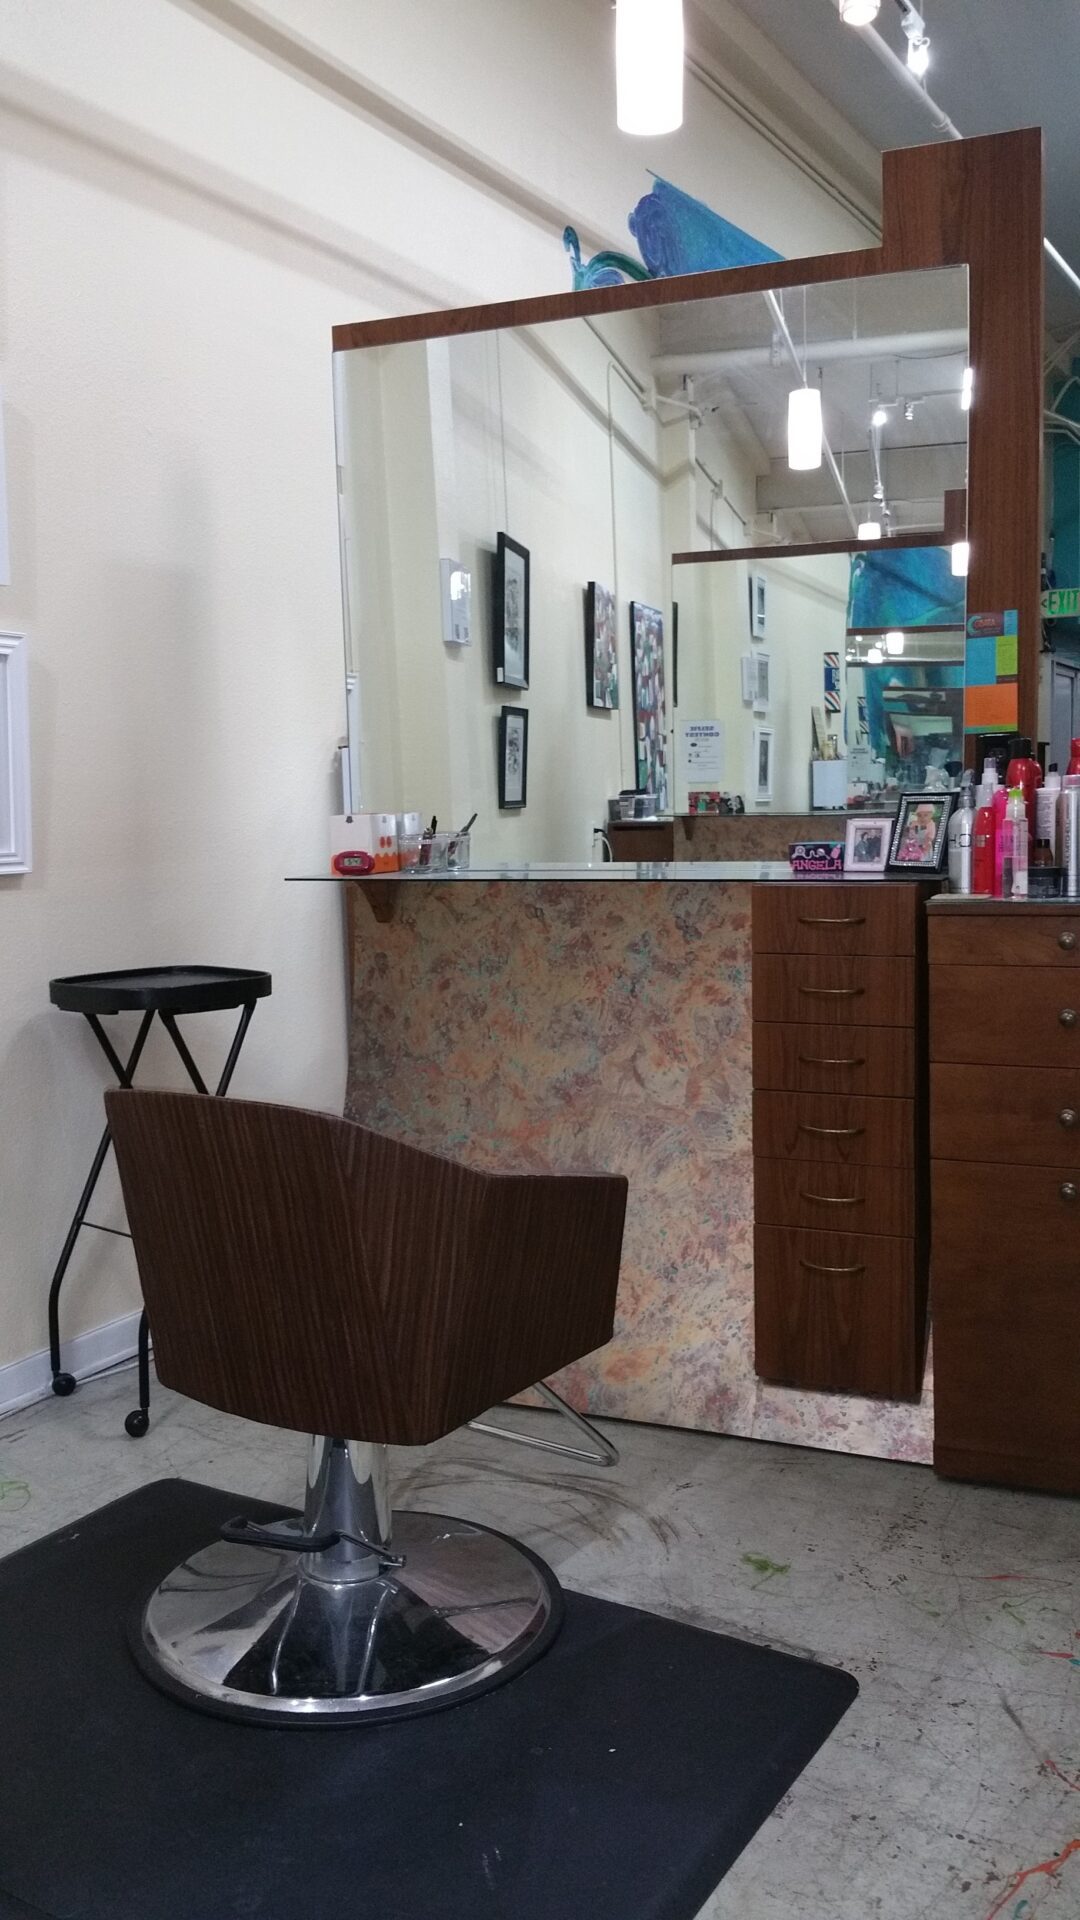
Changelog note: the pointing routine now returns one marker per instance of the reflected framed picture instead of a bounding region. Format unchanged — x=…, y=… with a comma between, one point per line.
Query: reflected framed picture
x=513, y=756
x=601, y=647
x=758, y=606
x=650, y=701
x=921, y=833
x=510, y=614
x=867, y=842
x=15, y=854
x=763, y=763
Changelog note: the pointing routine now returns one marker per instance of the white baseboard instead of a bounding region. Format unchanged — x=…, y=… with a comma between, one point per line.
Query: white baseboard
x=24, y=1381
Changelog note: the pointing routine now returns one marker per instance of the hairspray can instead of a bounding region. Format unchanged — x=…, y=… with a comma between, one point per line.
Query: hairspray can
x=1070, y=811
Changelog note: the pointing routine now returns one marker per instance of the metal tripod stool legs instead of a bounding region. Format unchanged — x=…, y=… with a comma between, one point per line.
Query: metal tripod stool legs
x=166, y=992
x=603, y=1455
x=350, y=1613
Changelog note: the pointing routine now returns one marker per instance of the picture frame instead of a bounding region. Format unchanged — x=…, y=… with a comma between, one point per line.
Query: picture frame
x=510, y=613
x=759, y=599
x=650, y=701
x=15, y=839
x=513, y=758
x=868, y=843
x=762, y=775
x=920, y=838
x=762, y=679
x=601, y=648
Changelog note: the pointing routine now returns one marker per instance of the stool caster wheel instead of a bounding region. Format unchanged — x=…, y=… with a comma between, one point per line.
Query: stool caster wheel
x=63, y=1384
x=137, y=1423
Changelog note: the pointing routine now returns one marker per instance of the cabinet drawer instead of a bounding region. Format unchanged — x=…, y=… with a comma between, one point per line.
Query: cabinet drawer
x=853, y=1199
x=1030, y=1118
x=874, y=918
x=835, y=1311
x=834, y=1128
x=1047, y=936
x=879, y=1060
x=869, y=992
x=1006, y=1325
x=994, y=1016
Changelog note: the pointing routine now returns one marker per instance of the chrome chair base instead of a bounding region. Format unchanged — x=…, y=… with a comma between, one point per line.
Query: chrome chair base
x=291, y=1638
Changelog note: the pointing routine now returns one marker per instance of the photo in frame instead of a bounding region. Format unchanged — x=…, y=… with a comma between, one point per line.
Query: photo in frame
x=513, y=757
x=650, y=705
x=921, y=833
x=601, y=647
x=868, y=840
x=510, y=613
x=758, y=606
x=763, y=763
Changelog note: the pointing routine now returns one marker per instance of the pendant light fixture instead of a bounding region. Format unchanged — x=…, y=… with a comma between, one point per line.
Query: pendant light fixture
x=869, y=530
x=859, y=13
x=650, y=50
x=894, y=643
x=874, y=656
x=961, y=559
x=804, y=429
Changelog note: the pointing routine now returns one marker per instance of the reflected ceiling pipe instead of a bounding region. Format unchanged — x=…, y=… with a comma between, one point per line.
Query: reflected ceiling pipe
x=777, y=312
x=939, y=342
x=942, y=123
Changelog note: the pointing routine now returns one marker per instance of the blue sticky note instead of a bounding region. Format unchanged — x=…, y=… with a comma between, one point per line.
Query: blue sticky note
x=980, y=668
x=1012, y=621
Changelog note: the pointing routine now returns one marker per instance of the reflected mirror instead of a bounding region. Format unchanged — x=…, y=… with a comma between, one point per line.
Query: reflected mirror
x=519, y=644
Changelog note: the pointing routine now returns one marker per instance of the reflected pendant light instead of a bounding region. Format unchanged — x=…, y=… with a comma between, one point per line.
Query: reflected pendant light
x=874, y=656
x=804, y=429
x=961, y=559
x=859, y=13
x=894, y=643
x=649, y=57
x=869, y=530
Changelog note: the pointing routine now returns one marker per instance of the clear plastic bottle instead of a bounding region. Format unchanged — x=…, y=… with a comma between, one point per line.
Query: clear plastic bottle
x=1014, y=851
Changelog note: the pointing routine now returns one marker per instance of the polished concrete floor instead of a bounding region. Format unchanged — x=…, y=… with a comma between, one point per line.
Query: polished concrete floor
x=951, y=1791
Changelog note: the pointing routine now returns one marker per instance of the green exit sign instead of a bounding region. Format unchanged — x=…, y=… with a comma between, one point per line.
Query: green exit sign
x=1063, y=603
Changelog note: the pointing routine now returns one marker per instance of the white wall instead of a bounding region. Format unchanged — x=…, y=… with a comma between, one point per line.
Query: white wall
x=184, y=213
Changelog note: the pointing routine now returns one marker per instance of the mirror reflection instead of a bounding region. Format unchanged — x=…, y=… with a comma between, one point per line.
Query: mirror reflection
x=519, y=644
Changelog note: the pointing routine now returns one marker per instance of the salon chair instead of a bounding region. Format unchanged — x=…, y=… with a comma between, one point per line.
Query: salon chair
x=307, y=1273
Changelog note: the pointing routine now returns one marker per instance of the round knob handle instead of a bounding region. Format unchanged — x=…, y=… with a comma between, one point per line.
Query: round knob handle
x=1067, y=1017
x=1068, y=1190
x=1067, y=1116
x=1066, y=941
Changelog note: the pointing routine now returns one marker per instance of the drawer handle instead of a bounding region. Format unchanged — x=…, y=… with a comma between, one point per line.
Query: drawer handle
x=1067, y=1116
x=834, y=1133
x=1066, y=941
x=828, y=1199
x=811, y=1060
x=852, y=993
x=1068, y=1190
x=1067, y=1017
x=824, y=920
x=813, y=1267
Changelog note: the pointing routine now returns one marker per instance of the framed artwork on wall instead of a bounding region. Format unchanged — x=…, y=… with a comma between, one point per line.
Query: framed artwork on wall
x=763, y=763
x=14, y=756
x=650, y=705
x=601, y=647
x=513, y=756
x=510, y=615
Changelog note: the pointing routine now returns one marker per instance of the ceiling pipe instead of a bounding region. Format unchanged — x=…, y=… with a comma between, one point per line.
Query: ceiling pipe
x=886, y=346
x=777, y=312
x=943, y=124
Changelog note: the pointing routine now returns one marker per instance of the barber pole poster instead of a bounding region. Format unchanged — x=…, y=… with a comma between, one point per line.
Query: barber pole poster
x=832, y=683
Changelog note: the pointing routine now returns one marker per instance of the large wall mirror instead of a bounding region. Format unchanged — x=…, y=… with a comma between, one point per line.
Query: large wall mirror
x=513, y=500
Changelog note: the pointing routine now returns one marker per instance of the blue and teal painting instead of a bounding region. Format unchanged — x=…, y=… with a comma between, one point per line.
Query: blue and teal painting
x=905, y=587
x=676, y=234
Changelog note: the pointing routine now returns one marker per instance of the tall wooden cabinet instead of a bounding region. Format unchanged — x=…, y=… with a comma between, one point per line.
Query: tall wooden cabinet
x=1005, y=1106
x=840, y=1135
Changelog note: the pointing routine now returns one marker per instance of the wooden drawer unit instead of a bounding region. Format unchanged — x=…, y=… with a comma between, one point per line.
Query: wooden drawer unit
x=1005, y=1183
x=839, y=1135
x=842, y=919
x=875, y=991
x=1005, y=1016
x=813, y=1059
x=834, y=1311
x=851, y=1199
x=833, y=1128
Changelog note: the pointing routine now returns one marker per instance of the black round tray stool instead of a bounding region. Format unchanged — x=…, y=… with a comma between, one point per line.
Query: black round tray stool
x=164, y=992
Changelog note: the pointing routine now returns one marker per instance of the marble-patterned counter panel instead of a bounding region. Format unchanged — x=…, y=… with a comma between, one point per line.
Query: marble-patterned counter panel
x=547, y=1026
x=750, y=836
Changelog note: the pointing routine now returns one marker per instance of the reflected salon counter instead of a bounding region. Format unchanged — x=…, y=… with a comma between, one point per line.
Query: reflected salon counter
x=550, y=1018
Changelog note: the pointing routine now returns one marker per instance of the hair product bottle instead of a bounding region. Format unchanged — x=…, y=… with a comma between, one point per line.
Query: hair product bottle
x=1014, y=855
x=961, y=839
x=1025, y=772
x=984, y=837
x=1047, y=814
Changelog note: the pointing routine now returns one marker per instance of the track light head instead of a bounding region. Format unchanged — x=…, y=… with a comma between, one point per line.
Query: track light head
x=918, y=41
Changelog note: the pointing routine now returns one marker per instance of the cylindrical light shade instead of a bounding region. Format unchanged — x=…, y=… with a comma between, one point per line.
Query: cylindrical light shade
x=859, y=13
x=961, y=559
x=869, y=530
x=894, y=643
x=874, y=656
x=804, y=429
x=649, y=57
